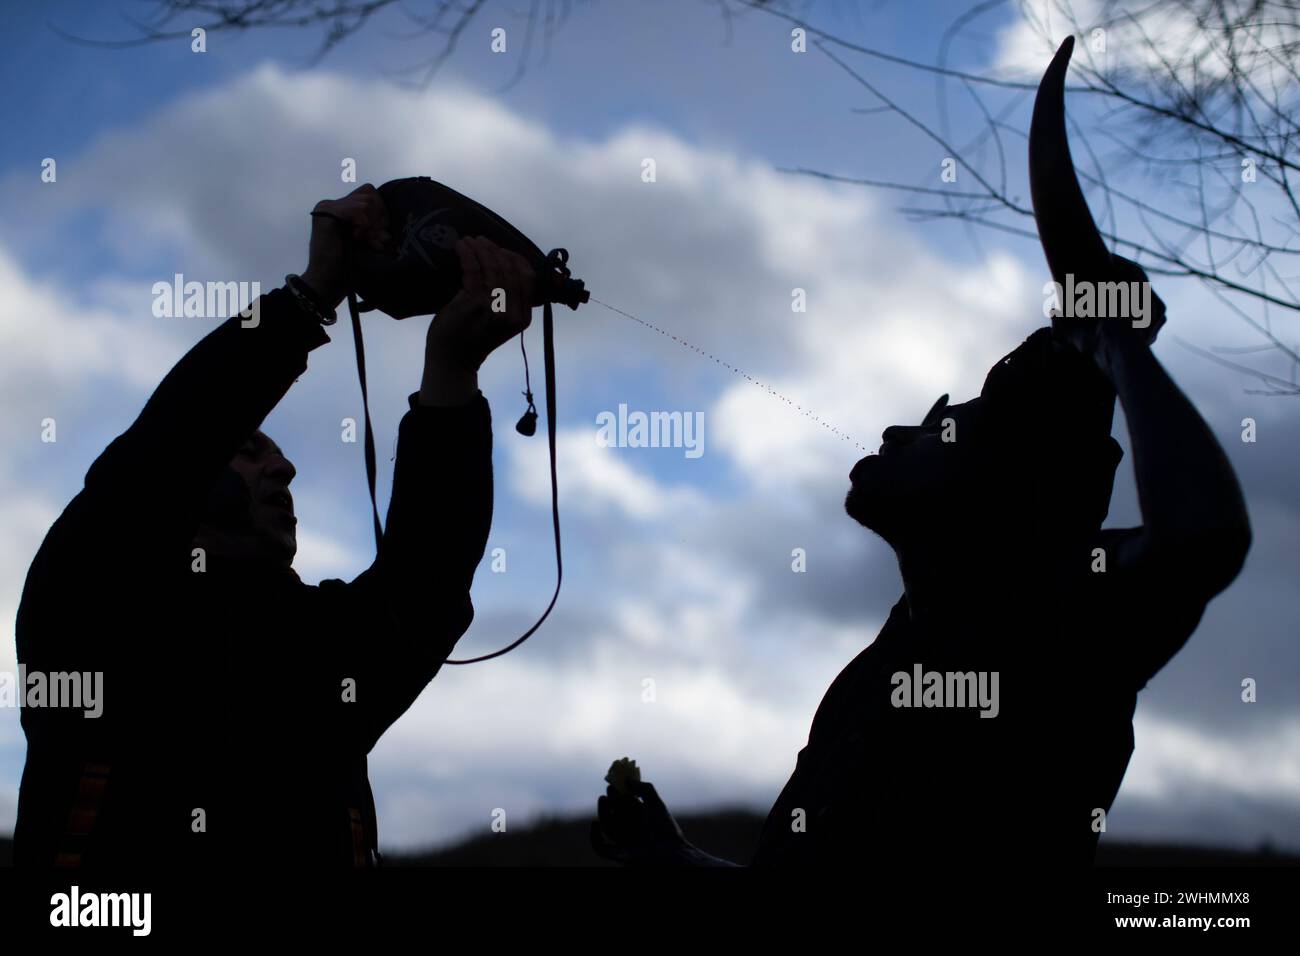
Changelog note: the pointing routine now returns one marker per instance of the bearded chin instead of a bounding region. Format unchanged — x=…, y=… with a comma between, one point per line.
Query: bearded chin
x=864, y=507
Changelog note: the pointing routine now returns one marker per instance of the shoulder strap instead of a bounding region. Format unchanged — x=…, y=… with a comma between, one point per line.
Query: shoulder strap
x=354, y=311
x=548, y=360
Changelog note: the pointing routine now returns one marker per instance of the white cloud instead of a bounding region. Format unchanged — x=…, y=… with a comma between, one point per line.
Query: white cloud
x=54, y=342
x=711, y=252
x=1171, y=758
x=1145, y=37
x=8, y=808
x=527, y=737
x=321, y=556
x=877, y=349
x=595, y=479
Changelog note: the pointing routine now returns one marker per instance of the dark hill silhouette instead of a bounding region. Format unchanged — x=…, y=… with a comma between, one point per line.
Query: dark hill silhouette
x=732, y=834
x=563, y=841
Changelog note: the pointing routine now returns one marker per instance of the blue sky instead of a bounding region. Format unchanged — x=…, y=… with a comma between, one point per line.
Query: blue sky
x=677, y=569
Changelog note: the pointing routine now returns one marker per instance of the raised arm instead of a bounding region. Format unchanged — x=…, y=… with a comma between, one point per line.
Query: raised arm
x=153, y=479
x=1194, y=517
x=1194, y=523
x=1195, y=532
x=399, y=620
x=636, y=829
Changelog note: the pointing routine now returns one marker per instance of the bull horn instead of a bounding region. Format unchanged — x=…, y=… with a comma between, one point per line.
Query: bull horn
x=1070, y=238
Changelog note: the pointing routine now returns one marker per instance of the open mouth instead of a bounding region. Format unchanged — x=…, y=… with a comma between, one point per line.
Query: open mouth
x=857, y=471
x=280, y=499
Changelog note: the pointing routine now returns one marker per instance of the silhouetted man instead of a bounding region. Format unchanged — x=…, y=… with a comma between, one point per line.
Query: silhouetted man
x=991, y=720
x=1006, y=577
x=240, y=703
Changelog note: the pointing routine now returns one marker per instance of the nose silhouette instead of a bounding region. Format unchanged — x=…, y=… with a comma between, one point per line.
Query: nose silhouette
x=901, y=434
x=280, y=467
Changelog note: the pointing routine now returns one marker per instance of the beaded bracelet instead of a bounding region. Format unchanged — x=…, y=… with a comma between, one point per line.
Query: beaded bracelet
x=308, y=301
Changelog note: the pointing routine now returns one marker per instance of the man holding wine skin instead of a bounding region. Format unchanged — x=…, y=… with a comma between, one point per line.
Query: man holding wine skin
x=240, y=702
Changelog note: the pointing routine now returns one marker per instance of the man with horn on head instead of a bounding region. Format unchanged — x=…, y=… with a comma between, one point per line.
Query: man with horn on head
x=991, y=719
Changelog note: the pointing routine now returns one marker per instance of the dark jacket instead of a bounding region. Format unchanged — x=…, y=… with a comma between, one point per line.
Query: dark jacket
x=239, y=704
x=885, y=783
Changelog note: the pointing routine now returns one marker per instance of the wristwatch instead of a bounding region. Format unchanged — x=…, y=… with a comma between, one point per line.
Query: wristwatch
x=308, y=301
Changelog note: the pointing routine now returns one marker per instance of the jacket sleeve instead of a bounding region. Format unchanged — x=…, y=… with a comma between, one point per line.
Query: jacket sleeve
x=1140, y=612
x=395, y=624
x=158, y=473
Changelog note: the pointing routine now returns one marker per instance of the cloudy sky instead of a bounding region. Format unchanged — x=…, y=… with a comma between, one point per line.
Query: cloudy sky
x=678, y=569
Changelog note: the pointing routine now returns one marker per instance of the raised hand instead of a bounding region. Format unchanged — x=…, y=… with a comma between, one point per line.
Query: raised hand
x=1092, y=335
x=493, y=305
x=359, y=216
x=636, y=828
